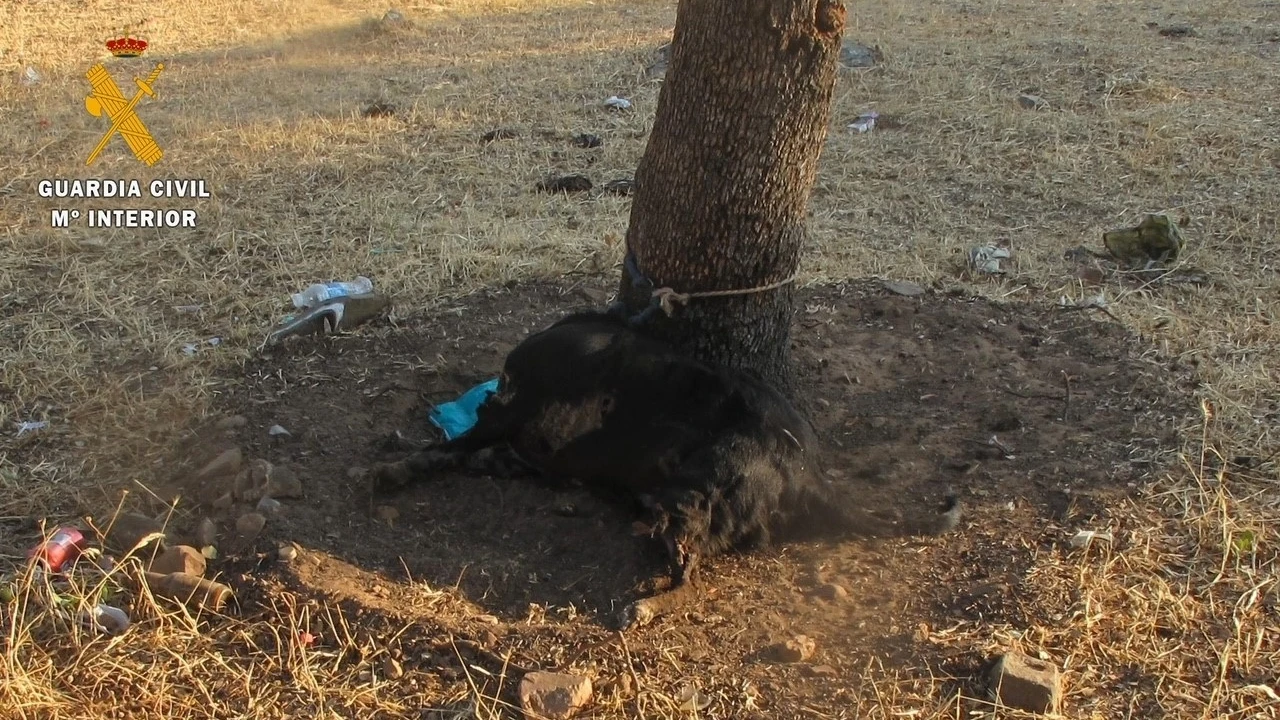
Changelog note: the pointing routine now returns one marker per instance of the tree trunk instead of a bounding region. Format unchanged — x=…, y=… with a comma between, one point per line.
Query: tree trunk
x=723, y=188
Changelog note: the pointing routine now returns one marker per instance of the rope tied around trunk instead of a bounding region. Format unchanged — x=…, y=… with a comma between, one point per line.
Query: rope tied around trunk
x=666, y=298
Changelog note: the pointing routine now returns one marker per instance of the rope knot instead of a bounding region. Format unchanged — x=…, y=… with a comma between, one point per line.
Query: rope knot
x=668, y=298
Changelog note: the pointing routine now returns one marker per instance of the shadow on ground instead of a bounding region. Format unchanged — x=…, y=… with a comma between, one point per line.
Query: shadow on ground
x=1042, y=419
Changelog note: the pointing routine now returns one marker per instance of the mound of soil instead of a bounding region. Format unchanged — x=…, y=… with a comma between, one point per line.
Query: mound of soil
x=1041, y=419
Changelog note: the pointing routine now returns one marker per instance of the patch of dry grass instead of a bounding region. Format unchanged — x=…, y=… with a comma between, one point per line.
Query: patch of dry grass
x=264, y=101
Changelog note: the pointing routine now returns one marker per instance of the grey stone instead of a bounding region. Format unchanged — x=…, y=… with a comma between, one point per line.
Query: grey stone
x=179, y=558
x=283, y=483
x=856, y=55
x=250, y=524
x=902, y=287
x=129, y=529
x=227, y=464
x=1025, y=683
x=1032, y=102
x=553, y=696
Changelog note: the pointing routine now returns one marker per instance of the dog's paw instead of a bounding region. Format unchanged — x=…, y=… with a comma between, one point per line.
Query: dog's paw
x=637, y=614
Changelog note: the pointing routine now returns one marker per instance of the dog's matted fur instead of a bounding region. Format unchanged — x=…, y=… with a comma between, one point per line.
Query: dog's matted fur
x=720, y=459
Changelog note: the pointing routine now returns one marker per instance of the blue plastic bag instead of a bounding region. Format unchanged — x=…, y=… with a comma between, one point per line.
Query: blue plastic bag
x=457, y=417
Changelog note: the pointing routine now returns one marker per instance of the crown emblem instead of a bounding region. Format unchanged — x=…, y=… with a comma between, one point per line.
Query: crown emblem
x=128, y=44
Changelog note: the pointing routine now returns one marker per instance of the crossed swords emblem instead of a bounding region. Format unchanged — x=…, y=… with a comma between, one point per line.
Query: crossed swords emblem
x=106, y=97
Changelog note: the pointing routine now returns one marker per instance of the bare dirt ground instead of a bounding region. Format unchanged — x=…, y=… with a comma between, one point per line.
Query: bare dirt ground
x=1168, y=440
x=911, y=391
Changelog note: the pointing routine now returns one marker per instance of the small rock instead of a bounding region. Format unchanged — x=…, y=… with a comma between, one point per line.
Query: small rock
x=565, y=184
x=356, y=473
x=797, y=649
x=586, y=140
x=1032, y=102
x=206, y=533
x=504, y=133
x=223, y=502
x=268, y=506
x=391, y=669
x=1025, y=683
x=127, y=530
x=287, y=552
x=856, y=55
x=278, y=431
x=1178, y=31
x=179, y=558
x=227, y=464
x=832, y=592
x=621, y=186
x=260, y=472
x=250, y=524
x=820, y=671
x=553, y=696
x=284, y=483
x=232, y=422
x=902, y=287
x=393, y=18
x=378, y=109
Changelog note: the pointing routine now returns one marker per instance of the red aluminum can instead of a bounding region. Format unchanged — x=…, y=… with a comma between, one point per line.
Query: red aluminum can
x=61, y=550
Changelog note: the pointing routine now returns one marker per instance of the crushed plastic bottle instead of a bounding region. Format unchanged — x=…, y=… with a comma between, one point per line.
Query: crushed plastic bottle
x=321, y=292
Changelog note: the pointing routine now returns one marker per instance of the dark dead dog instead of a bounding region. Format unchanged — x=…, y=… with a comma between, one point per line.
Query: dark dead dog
x=720, y=459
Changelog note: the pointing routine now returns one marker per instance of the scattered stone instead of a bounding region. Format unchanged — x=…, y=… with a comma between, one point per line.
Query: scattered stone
x=283, y=483
x=259, y=472
x=856, y=55
x=902, y=287
x=1032, y=102
x=268, y=506
x=692, y=700
x=232, y=422
x=587, y=141
x=391, y=669
x=250, y=524
x=179, y=558
x=565, y=184
x=393, y=18
x=553, y=696
x=130, y=529
x=223, y=502
x=622, y=186
x=820, y=671
x=503, y=133
x=206, y=533
x=797, y=649
x=378, y=109
x=287, y=552
x=227, y=464
x=832, y=592
x=1025, y=683
x=1177, y=31
x=1153, y=243
x=277, y=431
x=356, y=473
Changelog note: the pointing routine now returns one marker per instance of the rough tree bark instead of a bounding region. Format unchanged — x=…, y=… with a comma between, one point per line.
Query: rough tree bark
x=723, y=188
